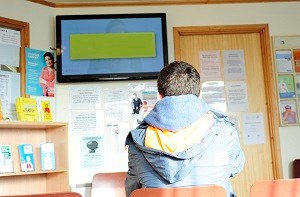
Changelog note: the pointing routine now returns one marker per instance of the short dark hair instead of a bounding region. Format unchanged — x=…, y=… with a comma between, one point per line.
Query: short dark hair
x=178, y=78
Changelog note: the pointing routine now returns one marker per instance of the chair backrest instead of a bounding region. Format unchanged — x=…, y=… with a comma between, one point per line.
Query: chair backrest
x=58, y=194
x=276, y=188
x=109, y=184
x=205, y=191
x=296, y=168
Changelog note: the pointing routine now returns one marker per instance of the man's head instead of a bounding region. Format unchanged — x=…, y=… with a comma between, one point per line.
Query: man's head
x=288, y=107
x=178, y=78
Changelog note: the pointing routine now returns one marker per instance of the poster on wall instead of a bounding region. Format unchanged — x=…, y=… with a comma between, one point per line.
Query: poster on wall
x=85, y=97
x=234, y=64
x=40, y=73
x=86, y=121
x=116, y=105
x=143, y=97
x=237, y=96
x=213, y=93
x=101, y=117
x=254, y=131
x=10, y=42
x=297, y=83
x=9, y=91
x=296, y=55
x=149, y=101
x=210, y=65
x=284, y=61
x=286, y=86
x=287, y=59
x=288, y=112
x=92, y=152
x=115, y=136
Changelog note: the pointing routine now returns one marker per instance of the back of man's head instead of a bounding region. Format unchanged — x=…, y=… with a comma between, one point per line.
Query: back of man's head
x=178, y=78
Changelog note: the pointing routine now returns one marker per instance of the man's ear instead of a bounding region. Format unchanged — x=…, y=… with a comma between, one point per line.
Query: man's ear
x=159, y=96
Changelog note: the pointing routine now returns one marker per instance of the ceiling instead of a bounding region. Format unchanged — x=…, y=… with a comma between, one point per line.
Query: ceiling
x=99, y=3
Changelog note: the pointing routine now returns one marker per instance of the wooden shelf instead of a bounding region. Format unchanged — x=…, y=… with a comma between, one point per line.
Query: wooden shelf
x=38, y=181
x=32, y=173
x=30, y=125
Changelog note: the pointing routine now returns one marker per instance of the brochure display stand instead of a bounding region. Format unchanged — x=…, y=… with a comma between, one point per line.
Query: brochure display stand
x=286, y=50
x=16, y=133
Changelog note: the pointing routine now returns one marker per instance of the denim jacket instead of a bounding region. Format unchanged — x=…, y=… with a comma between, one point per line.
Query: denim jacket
x=212, y=161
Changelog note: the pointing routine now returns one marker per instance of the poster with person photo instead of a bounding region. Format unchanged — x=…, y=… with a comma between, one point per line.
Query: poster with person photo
x=40, y=73
x=288, y=112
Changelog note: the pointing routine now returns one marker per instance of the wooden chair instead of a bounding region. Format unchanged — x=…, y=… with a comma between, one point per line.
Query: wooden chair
x=205, y=191
x=276, y=188
x=57, y=194
x=296, y=168
x=109, y=184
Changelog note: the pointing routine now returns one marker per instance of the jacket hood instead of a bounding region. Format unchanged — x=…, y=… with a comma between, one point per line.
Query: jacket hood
x=175, y=166
x=176, y=112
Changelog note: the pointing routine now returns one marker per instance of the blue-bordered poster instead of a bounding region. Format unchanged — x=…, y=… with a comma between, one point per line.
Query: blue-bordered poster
x=40, y=73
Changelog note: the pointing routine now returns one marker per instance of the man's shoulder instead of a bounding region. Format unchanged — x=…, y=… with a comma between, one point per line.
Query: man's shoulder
x=138, y=130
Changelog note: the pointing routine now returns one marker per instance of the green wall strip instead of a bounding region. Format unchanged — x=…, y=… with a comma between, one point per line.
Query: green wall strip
x=112, y=45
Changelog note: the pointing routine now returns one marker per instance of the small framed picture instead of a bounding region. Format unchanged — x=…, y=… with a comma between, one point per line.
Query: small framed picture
x=288, y=112
x=298, y=109
x=296, y=55
x=284, y=61
x=286, y=86
x=297, y=82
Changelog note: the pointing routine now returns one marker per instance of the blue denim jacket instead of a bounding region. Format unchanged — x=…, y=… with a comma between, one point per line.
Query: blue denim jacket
x=212, y=161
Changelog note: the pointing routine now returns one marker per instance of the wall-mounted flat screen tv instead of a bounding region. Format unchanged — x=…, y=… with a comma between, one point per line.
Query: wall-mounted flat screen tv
x=110, y=47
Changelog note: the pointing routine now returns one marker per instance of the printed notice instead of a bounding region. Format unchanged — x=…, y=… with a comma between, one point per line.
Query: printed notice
x=9, y=47
x=92, y=152
x=234, y=65
x=10, y=37
x=254, y=132
x=87, y=121
x=9, y=91
x=87, y=97
x=115, y=137
x=116, y=105
x=284, y=61
x=237, y=96
x=213, y=93
x=210, y=65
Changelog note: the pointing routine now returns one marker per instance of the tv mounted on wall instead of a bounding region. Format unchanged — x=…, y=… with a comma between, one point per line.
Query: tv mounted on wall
x=110, y=47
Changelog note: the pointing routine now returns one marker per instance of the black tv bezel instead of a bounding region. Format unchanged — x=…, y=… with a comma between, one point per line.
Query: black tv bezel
x=108, y=77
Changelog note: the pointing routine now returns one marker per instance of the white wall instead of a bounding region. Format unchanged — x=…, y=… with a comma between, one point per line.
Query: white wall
x=281, y=17
x=41, y=20
x=290, y=148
